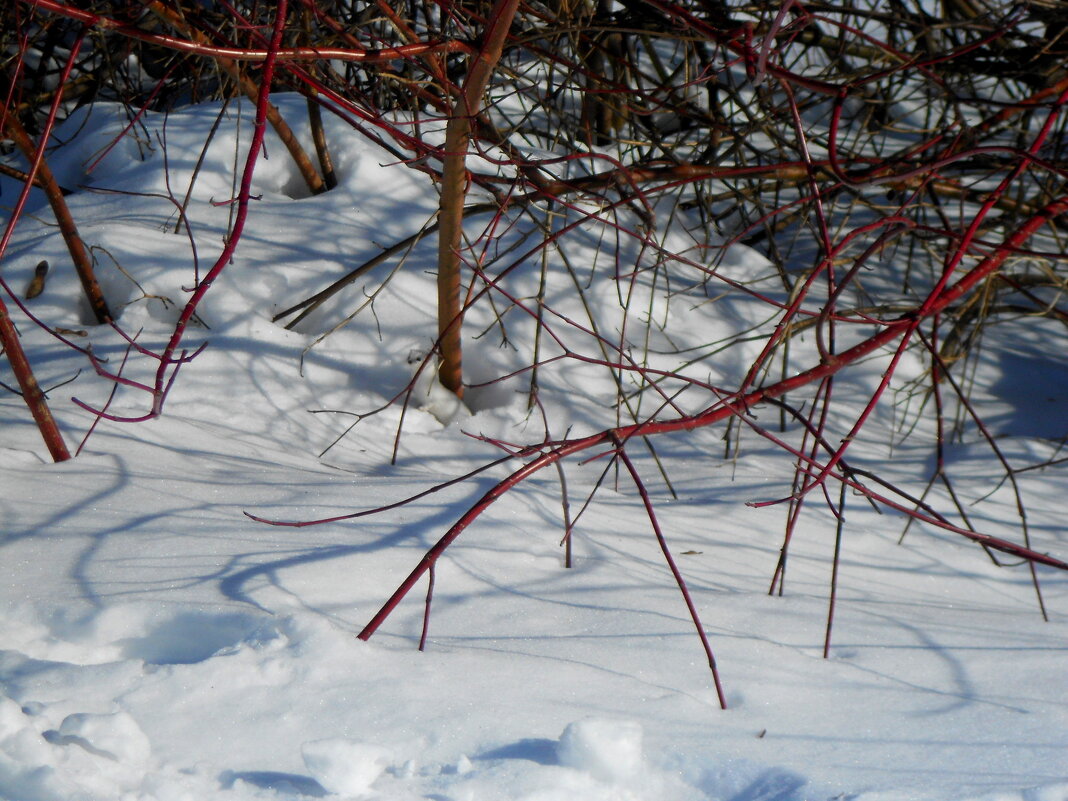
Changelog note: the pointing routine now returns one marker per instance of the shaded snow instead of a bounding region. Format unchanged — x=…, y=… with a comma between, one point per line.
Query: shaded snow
x=158, y=645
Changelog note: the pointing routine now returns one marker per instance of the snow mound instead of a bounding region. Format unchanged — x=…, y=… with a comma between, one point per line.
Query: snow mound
x=610, y=750
x=346, y=767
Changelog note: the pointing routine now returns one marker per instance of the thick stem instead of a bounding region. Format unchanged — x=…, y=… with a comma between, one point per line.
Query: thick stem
x=315, y=116
x=322, y=149
x=450, y=230
x=31, y=391
x=44, y=178
x=454, y=183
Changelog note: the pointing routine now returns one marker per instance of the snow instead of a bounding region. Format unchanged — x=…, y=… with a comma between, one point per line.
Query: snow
x=610, y=750
x=160, y=645
x=345, y=767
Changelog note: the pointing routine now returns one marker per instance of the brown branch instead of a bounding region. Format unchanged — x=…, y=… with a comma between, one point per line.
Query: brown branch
x=31, y=391
x=197, y=43
x=454, y=183
x=44, y=178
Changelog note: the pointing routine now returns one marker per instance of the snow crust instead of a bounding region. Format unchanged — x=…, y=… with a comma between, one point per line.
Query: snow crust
x=158, y=645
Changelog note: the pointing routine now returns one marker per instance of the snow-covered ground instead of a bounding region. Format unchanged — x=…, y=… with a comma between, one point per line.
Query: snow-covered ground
x=156, y=644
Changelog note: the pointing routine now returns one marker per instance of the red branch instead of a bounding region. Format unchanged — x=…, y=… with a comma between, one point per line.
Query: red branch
x=903, y=326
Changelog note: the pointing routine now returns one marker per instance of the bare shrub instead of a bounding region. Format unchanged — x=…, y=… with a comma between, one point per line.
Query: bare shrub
x=902, y=174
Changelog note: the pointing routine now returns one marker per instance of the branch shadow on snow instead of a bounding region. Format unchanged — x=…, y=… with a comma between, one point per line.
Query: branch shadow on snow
x=233, y=582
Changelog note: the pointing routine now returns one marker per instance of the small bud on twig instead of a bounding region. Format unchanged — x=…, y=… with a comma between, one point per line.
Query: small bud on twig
x=37, y=283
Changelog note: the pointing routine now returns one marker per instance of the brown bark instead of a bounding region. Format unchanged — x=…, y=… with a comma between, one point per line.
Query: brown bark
x=454, y=184
x=78, y=254
x=31, y=391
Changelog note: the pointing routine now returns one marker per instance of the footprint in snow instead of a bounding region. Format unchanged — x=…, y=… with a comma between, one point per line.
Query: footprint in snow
x=192, y=637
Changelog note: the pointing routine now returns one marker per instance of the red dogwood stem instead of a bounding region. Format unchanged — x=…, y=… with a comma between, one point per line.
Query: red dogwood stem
x=168, y=360
x=722, y=410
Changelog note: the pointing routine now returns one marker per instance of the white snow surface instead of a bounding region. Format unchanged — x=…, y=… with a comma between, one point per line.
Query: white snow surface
x=156, y=644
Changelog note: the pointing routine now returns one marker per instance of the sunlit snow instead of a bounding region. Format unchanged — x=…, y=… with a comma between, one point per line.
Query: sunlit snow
x=159, y=645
